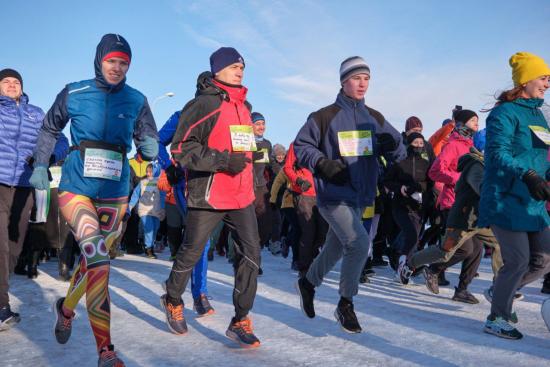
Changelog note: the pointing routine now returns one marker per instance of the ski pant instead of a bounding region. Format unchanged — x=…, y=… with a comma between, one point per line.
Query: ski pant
x=277, y=224
x=15, y=210
x=293, y=234
x=95, y=224
x=347, y=239
x=200, y=223
x=313, y=229
x=454, y=239
x=410, y=222
x=199, y=274
x=150, y=225
x=263, y=214
x=526, y=257
x=174, y=227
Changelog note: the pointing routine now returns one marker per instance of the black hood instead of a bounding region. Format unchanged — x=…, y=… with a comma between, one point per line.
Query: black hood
x=468, y=159
x=109, y=43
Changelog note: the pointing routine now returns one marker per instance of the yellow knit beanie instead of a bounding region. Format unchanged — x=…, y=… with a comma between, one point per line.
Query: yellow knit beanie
x=526, y=67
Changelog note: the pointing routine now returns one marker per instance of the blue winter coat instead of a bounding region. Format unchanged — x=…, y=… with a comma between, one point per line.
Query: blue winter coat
x=318, y=138
x=19, y=126
x=511, y=150
x=98, y=111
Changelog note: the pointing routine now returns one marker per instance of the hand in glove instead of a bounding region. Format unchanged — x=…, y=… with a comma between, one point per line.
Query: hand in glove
x=174, y=175
x=39, y=179
x=385, y=143
x=538, y=188
x=304, y=184
x=257, y=155
x=149, y=148
x=237, y=163
x=334, y=171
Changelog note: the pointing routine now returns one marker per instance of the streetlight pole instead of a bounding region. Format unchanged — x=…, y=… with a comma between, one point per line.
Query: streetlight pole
x=165, y=95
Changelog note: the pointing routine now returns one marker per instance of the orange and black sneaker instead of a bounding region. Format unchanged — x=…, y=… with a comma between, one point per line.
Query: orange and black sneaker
x=202, y=306
x=108, y=358
x=241, y=332
x=174, y=315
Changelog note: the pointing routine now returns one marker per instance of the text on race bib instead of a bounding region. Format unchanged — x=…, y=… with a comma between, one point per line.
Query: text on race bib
x=355, y=143
x=242, y=138
x=102, y=163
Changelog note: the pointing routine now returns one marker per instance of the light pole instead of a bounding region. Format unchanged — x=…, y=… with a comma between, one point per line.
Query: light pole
x=165, y=95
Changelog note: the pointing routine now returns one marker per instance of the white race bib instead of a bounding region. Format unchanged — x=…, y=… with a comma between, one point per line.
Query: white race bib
x=102, y=163
x=541, y=132
x=355, y=143
x=242, y=138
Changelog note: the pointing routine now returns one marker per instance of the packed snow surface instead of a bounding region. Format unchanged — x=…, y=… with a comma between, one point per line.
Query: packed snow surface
x=402, y=326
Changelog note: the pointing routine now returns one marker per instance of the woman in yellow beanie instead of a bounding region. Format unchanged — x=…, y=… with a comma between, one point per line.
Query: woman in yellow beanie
x=514, y=189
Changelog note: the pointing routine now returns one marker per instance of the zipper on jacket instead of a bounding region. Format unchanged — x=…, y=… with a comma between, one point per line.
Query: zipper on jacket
x=104, y=131
x=20, y=114
x=240, y=123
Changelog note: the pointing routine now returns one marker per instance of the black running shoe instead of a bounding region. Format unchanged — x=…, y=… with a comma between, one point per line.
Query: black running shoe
x=462, y=295
x=432, y=282
x=441, y=280
x=241, y=332
x=8, y=318
x=174, y=316
x=345, y=315
x=306, y=291
x=202, y=306
x=63, y=324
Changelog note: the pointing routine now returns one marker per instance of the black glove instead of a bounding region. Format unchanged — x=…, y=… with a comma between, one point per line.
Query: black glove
x=385, y=143
x=334, y=171
x=538, y=188
x=304, y=184
x=237, y=162
x=174, y=175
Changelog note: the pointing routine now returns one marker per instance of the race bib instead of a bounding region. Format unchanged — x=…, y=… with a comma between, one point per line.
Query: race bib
x=541, y=132
x=56, y=176
x=242, y=138
x=265, y=156
x=102, y=163
x=355, y=143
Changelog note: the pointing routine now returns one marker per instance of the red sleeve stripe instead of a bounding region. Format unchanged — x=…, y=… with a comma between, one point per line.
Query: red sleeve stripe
x=178, y=150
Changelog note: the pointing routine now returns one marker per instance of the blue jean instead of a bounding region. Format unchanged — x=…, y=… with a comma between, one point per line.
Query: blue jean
x=198, y=276
x=347, y=238
x=150, y=227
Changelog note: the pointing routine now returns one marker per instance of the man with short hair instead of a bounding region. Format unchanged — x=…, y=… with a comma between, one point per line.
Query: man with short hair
x=214, y=141
x=20, y=123
x=340, y=144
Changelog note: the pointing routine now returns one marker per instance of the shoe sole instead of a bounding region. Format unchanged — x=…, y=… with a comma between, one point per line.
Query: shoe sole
x=464, y=301
x=201, y=315
x=297, y=287
x=163, y=306
x=503, y=336
x=342, y=326
x=7, y=324
x=231, y=335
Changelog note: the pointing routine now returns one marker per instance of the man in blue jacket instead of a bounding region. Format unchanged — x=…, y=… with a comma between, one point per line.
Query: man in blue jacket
x=19, y=125
x=340, y=144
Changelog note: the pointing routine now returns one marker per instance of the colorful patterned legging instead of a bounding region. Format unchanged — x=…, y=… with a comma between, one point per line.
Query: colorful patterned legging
x=95, y=224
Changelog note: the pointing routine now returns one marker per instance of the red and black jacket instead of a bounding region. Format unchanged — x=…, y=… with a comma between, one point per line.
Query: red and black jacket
x=202, y=144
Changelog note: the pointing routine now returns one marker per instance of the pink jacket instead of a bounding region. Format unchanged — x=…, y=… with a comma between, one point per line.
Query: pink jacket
x=444, y=169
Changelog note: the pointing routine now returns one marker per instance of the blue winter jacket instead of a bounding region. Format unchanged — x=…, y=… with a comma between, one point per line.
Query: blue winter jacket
x=318, y=138
x=102, y=112
x=19, y=126
x=512, y=149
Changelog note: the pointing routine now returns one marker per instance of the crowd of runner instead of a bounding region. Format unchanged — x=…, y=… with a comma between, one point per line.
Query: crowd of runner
x=350, y=188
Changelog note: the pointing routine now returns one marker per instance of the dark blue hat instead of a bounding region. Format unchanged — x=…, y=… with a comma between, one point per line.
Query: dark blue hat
x=256, y=116
x=224, y=57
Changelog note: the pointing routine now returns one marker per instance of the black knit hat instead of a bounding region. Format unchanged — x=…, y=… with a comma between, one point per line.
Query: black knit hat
x=10, y=73
x=412, y=136
x=463, y=116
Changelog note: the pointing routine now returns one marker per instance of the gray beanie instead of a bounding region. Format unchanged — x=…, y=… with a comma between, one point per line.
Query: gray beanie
x=352, y=66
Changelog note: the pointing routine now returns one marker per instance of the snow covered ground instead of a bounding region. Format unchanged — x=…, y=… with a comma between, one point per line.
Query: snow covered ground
x=403, y=326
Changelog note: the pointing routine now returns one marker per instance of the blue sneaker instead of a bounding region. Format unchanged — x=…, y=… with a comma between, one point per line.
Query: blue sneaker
x=501, y=328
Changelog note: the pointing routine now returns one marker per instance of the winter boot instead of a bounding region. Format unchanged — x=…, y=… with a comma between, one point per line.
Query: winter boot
x=306, y=291
x=108, y=358
x=345, y=315
x=8, y=318
x=241, y=332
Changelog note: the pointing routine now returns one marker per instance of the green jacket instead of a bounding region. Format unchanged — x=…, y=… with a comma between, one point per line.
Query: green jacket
x=512, y=149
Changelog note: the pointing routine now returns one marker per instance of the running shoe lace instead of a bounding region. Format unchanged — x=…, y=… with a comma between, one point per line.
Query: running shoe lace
x=246, y=326
x=66, y=324
x=176, y=311
x=503, y=324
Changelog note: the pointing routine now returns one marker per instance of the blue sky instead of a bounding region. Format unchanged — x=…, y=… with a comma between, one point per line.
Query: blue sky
x=425, y=56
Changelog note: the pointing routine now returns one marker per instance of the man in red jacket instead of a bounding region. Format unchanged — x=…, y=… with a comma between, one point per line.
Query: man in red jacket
x=214, y=141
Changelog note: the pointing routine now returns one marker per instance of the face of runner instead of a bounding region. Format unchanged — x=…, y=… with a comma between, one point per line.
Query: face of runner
x=356, y=86
x=280, y=158
x=537, y=87
x=232, y=74
x=10, y=87
x=259, y=128
x=473, y=123
x=114, y=70
x=149, y=172
x=418, y=143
